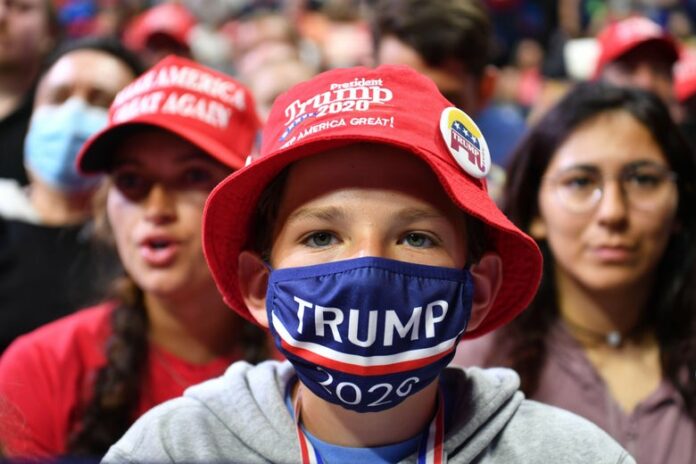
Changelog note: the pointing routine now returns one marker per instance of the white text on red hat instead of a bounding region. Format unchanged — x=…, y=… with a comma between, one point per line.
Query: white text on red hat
x=356, y=95
x=185, y=77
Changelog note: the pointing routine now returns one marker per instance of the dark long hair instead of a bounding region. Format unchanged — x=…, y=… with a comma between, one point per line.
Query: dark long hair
x=673, y=299
x=116, y=391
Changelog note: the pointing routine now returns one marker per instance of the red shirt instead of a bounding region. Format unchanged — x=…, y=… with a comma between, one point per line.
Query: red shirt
x=46, y=379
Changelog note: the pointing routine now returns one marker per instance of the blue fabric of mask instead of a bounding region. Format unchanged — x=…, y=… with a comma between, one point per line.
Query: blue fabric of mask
x=367, y=333
x=55, y=136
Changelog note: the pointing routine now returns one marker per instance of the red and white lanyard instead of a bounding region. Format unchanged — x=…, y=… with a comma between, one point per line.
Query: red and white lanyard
x=431, y=448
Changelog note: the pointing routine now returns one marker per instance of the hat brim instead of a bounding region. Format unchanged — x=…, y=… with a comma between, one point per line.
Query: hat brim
x=96, y=154
x=230, y=208
x=668, y=44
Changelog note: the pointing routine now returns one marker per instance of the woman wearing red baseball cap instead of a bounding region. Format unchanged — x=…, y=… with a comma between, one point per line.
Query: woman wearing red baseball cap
x=74, y=386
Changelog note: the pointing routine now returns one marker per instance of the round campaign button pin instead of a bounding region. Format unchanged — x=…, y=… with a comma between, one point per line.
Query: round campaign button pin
x=465, y=142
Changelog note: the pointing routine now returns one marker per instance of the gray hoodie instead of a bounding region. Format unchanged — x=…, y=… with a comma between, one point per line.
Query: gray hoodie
x=242, y=417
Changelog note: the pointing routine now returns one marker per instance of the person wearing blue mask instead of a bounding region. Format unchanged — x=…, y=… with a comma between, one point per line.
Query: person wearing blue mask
x=363, y=238
x=56, y=134
x=48, y=264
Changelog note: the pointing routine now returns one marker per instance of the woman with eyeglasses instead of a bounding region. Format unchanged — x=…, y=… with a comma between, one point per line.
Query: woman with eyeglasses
x=607, y=186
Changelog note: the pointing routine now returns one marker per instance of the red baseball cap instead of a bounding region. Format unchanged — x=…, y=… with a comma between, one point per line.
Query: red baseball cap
x=392, y=105
x=685, y=76
x=170, y=19
x=621, y=37
x=205, y=107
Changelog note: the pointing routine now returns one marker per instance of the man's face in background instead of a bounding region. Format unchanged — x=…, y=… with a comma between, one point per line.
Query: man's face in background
x=465, y=90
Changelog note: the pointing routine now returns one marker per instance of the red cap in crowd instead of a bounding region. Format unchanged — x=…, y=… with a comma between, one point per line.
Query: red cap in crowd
x=170, y=19
x=205, y=107
x=685, y=76
x=621, y=37
x=392, y=105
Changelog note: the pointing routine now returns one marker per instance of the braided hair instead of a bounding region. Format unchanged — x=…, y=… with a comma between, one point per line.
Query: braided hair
x=116, y=391
x=117, y=386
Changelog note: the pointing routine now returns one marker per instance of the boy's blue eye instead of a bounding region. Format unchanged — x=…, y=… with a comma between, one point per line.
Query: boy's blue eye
x=319, y=239
x=417, y=240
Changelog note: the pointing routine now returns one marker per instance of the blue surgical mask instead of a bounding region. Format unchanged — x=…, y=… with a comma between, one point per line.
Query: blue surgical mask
x=367, y=333
x=55, y=136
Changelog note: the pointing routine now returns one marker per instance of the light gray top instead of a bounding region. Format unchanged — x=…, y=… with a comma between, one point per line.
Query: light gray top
x=242, y=417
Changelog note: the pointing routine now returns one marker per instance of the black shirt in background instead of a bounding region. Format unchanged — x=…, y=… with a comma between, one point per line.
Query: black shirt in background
x=49, y=272
x=13, y=129
x=688, y=128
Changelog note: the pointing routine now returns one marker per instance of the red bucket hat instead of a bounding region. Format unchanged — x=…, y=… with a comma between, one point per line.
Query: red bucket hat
x=621, y=37
x=205, y=107
x=392, y=105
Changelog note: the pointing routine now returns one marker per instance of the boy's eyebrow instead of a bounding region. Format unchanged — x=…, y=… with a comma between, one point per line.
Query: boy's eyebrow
x=335, y=213
x=417, y=214
x=329, y=213
x=194, y=155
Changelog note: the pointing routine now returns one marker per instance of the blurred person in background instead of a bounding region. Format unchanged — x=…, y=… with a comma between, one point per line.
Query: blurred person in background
x=210, y=40
x=49, y=263
x=606, y=185
x=270, y=55
x=260, y=38
x=521, y=82
x=272, y=79
x=637, y=52
x=340, y=33
x=450, y=42
x=78, y=18
x=28, y=31
x=76, y=385
x=100, y=18
x=160, y=31
x=446, y=40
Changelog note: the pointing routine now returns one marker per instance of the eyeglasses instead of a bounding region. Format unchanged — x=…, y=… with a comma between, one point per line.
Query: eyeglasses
x=645, y=185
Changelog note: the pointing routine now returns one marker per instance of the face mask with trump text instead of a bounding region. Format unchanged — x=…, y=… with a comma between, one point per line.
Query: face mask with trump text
x=367, y=333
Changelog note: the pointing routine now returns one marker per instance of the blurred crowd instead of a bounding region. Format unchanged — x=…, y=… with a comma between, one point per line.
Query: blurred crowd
x=538, y=48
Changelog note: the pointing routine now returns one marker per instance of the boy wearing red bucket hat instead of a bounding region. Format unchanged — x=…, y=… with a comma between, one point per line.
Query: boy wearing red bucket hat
x=364, y=239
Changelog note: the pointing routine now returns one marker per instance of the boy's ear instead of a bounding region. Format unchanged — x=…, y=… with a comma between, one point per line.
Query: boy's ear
x=253, y=283
x=537, y=229
x=488, y=278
